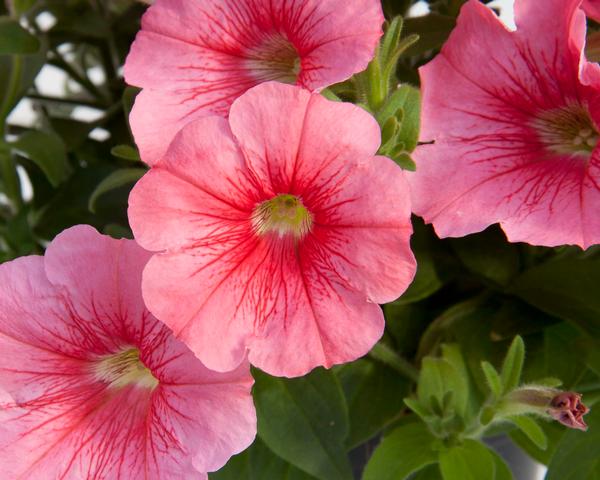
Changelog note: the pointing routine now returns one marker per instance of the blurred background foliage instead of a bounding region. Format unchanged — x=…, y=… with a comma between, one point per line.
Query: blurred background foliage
x=74, y=161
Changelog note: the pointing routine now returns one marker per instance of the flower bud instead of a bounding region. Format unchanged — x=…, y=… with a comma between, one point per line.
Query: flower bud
x=564, y=407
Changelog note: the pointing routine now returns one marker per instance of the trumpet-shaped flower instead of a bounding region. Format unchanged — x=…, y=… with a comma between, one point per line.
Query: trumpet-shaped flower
x=195, y=57
x=513, y=118
x=277, y=232
x=93, y=386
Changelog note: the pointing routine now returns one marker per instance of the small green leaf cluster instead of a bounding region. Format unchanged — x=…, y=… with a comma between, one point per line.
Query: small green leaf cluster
x=453, y=421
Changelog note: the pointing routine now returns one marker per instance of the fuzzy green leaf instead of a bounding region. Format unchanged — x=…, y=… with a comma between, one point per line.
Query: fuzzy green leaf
x=493, y=378
x=533, y=431
x=513, y=365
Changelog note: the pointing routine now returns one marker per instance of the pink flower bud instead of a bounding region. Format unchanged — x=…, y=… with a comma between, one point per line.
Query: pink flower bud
x=566, y=407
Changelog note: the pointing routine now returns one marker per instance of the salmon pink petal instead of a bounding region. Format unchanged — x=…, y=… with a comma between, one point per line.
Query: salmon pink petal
x=191, y=182
x=294, y=243
x=153, y=137
x=198, y=296
x=198, y=56
x=315, y=132
x=514, y=142
x=312, y=332
x=97, y=387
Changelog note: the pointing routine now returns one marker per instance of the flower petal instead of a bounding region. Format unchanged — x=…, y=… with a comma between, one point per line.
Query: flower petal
x=198, y=190
x=326, y=324
x=306, y=145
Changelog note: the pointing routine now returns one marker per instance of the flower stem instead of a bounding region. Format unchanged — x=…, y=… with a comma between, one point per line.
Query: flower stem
x=385, y=354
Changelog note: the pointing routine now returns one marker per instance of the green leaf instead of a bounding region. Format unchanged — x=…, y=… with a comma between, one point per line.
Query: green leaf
x=128, y=99
x=10, y=179
x=547, y=358
x=47, y=151
x=68, y=205
x=391, y=38
x=373, y=393
x=433, y=31
x=329, y=94
x=430, y=472
x=18, y=235
x=493, y=378
x=17, y=73
x=431, y=258
x=390, y=129
x=116, y=179
x=404, y=161
x=453, y=355
x=15, y=40
x=438, y=378
x=576, y=456
x=406, y=450
x=553, y=431
x=258, y=463
x=533, y=431
x=405, y=324
x=73, y=132
x=566, y=288
x=420, y=409
x=408, y=100
x=513, y=365
x=305, y=421
x=489, y=254
x=117, y=231
x=469, y=461
x=126, y=152
x=467, y=324
x=501, y=468
x=487, y=415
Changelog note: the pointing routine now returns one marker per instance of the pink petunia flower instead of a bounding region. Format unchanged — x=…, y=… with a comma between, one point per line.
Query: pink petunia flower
x=279, y=233
x=195, y=57
x=93, y=386
x=514, y=117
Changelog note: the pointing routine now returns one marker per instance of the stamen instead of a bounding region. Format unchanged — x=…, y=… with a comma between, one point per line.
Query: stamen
x=125, y=368
x=568, y=130
x=275, y=58
x=284, y=215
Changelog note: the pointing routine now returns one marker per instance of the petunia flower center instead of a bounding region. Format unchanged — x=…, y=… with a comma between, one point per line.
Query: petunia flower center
x=568, y=130
x=275, y=58
x=125, y=368
x=283, y=215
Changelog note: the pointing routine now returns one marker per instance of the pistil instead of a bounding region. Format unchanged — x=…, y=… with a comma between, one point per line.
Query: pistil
x=123, y=369
x=283, y=215
x=275, y=58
